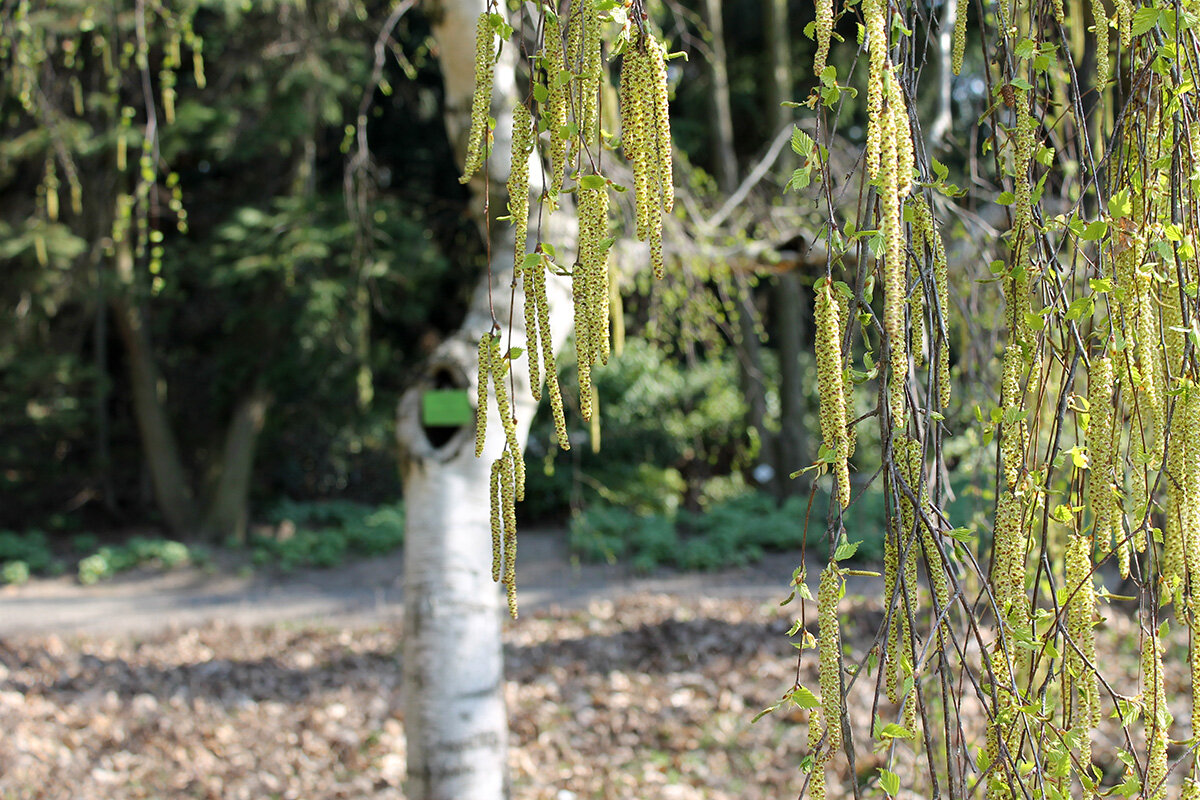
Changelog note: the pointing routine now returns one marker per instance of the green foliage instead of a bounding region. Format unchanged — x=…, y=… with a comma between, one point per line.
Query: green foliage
x=23, y=555
x=730, y=533
x=324, y=534
x=136, y=553
x=669, y=429
x=31, y=548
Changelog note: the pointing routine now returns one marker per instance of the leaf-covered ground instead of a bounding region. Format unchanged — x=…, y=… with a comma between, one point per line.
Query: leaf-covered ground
x=650, y=696
x=647, y=695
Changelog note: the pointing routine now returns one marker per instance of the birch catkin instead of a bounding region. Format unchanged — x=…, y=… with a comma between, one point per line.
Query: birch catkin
x=960, y=37
x=831, y=388
x=824, y=32
x=843, y=302
x=481, y=392
x=497, y=519
x=558, y=100
x=1100, y=449
x=875, y=18
x=829, y=649
x=485, y=65
x=646, y=138
x=1156, y=716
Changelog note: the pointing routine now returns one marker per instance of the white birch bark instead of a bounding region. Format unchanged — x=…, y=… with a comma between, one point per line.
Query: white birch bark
x=453, y=677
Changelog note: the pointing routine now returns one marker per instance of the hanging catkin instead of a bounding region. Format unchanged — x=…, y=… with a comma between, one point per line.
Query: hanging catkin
x=558, y=100
x=824, y=32
x=485, y=65
x=1080, y=660
x=875, y=18
x=960, y=37
x=481, y=392
x=1156, y=716
x=831, y=388
x=508, y=501
x=646, y=138
x=1013, y=430
x=1101, y=453
x=894, y=269
x=829, y=651
x=843, y=302
x=518, y=209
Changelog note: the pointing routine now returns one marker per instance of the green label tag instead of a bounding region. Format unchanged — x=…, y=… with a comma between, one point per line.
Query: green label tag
x=446, y=408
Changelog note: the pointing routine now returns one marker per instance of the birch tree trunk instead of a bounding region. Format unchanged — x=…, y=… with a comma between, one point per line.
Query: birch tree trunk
x=453, y=679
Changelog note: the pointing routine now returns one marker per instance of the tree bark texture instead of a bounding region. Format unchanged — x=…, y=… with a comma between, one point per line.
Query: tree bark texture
x=727, y=167
x=226, y=515
x=453, y=679
x=779, y=86
x=172, y=490
x=788, y=304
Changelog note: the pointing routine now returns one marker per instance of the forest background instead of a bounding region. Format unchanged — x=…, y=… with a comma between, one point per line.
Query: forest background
x=231, y=371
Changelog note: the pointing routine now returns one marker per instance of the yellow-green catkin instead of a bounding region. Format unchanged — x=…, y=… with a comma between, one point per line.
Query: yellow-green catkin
x=829, y=652
x=485, y=66
x=499, y=370
x=558, y=99
x=1174, y=553
x=824, y=33
x=497, y=519
x=1156, y=716
x=959, y=48
x=916, y=314
x=1148, y=352
x=662, y=125
x=589, y=76
x=1013, y=430
x=902, y=130
x=529, y=272
x=508, y=500
x=1125, y=12
x=591, y=299
x=635, y=133
x=1080, y=658
x=831, y=388
x=1187, y=409
x=875, y=17
x=891, y=576
x=1024, y=143
x=1101, y=452
x=597, y=271
x=646, y=138
x=518, y=180
x=573, y=64
x=1008, y=553
x=518, y=209
x=816, y=782
x=481, y=392
x=894, y=272
x=556, y=403
x=1194, y=660
x=843, y=302
x=909, y=460
x=925, y=229
x=1100, y=16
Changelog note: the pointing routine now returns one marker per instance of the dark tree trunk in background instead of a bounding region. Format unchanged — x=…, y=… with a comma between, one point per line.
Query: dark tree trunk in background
x=779, y=83
x=227, y=511
x=788, y=312
x=722, y=130
x=172, y=489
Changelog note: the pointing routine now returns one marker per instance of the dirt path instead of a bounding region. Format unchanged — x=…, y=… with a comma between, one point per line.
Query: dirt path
x=359, y=592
